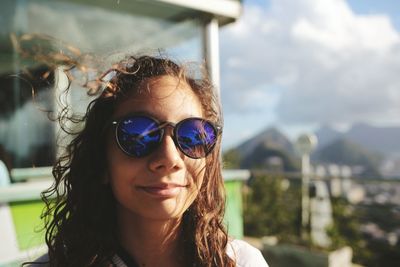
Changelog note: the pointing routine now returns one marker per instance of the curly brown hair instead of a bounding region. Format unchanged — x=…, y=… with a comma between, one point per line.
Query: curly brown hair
x=80, y=214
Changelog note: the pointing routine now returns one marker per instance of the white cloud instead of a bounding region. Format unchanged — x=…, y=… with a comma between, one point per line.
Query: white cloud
x=330, y=65
x=338, y=32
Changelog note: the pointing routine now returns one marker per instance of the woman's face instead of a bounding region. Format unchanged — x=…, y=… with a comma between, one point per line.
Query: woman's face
x=165, y=183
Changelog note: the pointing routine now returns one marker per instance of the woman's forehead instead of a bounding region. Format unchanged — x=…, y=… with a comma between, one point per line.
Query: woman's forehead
x=160, y=95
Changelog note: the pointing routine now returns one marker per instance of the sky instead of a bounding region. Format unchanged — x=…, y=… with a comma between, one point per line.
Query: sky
x=297, y=65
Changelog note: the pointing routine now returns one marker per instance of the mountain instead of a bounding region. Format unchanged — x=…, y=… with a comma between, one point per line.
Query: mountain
x=269, y=149
x=381, y=139
x=345, y=152
x=327, y=135
x=271, y=158
x=369, y=150
x=270, y=137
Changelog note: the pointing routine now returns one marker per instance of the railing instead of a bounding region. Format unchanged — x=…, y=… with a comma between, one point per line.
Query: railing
x=26, y=174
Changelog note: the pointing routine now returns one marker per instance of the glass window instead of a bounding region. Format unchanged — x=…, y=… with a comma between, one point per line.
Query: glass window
x=103, y=29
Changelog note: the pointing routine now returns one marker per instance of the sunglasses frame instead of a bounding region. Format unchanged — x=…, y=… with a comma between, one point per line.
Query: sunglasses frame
x=161, y=127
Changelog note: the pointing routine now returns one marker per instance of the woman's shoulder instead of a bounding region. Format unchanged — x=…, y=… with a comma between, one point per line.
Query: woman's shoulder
x=245, y=254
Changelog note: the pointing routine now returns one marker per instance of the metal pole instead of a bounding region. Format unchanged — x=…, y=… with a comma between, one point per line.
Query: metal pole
x=305, y=144
x=211, y=52
x=305, y=194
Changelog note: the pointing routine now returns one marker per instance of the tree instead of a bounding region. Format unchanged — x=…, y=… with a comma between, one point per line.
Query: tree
x=231, y=159
x=270, y=209
x=345, y=230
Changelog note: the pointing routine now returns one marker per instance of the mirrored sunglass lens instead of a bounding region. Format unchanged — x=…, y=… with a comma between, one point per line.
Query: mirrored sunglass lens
x=196, y=137
x=138, y=136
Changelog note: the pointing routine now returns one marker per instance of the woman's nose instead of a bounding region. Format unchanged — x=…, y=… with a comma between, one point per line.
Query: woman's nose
x=167, y=158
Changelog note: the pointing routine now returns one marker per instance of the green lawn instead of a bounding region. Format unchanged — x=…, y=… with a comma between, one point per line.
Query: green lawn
x=27, y=222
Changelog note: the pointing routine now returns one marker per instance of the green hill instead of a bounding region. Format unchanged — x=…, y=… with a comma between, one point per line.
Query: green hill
x=269, y=150
x=343, y=151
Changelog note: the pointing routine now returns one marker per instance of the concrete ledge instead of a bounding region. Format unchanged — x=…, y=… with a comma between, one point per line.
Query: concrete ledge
x=23, y=191
x=230, y=175
x=22, y=174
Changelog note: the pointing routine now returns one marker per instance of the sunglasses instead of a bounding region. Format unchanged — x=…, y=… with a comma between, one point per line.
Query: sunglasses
x=139, y=135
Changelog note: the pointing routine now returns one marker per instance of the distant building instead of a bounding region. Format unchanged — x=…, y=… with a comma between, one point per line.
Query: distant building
x=390, y=167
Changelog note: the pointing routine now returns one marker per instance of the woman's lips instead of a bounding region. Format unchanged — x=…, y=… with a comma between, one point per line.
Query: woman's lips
x=163, y=190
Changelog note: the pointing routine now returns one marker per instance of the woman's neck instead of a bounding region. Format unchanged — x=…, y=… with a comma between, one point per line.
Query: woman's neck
x=151, y=242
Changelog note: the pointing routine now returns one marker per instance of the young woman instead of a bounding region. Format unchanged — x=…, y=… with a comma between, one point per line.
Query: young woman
x=141, y=183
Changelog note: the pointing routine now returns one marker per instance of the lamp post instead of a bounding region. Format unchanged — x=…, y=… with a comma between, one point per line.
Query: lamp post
x=305, y=144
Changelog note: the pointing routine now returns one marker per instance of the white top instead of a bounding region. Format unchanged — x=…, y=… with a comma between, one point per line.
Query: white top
x=245, y=254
